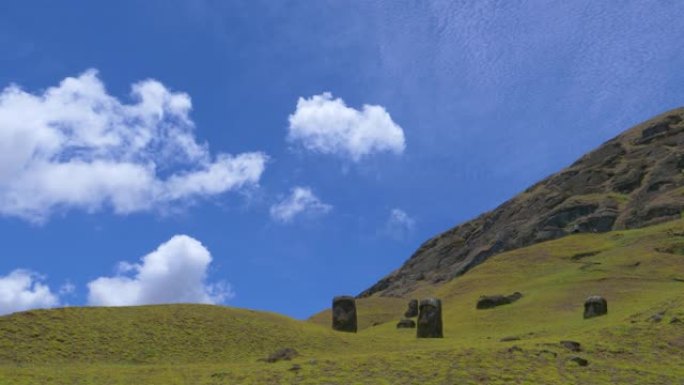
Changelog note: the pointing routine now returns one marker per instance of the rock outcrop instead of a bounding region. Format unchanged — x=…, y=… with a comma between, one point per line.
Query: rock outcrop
x=633, y=180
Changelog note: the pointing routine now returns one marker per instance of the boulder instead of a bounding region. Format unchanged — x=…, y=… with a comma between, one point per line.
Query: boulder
x=412, y=310
x=491, y=301
x=406, y=324
x=578, y=360
x=430, y=319
x=655, y=318
x=546, y=352
x=344, y=314
x=285, y=354
x=571, y=345
x=595, y=306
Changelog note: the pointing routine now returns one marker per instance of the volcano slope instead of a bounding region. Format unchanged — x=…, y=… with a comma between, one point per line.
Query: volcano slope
x=608, y=225
x=640, y=272
x=631, y=181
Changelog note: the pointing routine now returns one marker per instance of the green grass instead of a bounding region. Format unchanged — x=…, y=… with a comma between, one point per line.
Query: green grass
x=196, y=344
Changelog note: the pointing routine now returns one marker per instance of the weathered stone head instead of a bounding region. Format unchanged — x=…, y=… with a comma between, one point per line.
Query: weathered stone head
x=430, y=319
x=406, y=324
x=344, y=314
x=412, y=310
x=492, y=301
x=595, y=306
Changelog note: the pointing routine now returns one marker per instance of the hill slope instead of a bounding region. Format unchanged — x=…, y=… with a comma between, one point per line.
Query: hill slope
x=631, y=181
x=152, y=334
x=640, y=272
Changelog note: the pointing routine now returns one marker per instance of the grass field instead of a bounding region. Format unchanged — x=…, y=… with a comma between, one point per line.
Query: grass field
x=639, y=272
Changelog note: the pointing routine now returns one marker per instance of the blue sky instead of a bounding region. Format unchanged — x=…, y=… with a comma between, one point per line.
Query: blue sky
x=271, y=155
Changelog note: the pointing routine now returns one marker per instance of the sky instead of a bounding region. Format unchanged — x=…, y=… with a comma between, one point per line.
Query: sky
x=272, y=155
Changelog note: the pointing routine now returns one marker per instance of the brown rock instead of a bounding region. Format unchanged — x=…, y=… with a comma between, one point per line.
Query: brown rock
x=578, y=360
x=285, y=354
x=571, y=345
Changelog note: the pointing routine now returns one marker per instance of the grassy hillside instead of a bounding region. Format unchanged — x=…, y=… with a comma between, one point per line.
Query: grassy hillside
x=639, y=272
x=152, y=334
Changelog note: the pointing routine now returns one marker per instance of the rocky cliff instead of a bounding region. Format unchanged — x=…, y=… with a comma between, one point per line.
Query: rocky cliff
x=633, y=180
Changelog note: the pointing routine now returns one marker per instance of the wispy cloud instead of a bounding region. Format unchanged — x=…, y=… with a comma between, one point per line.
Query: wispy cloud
x=399, y=225
x=301, y=201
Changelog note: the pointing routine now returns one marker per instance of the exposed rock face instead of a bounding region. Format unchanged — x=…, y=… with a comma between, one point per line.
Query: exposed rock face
x=633, y=180
x=595, y=306
x=344, y=314
x=490, y=301
x=430, y=319
x=412, y=310
x=406, y=324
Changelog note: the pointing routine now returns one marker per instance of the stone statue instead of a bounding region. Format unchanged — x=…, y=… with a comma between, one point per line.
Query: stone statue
x=595, y=306
x=412, y=310
x=344, y=314
x=430, y=318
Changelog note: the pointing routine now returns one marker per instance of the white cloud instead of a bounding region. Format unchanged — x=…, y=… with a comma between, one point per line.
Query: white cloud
x=326, y=125
x=74, y=146
x=174, y=273
x=23, y=290
x=399, y=224
x=67, y=288
x=300, y=201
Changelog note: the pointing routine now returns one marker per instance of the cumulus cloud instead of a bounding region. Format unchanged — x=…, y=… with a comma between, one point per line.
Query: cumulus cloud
x=74, y=146
x=174, y=273
x=300, y=201
x=326, y=125
x=23, y=290
x=399, y=224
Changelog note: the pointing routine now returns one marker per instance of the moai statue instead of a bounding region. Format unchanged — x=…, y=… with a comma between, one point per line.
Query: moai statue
x=595, y=306
x=412, y=309
x=430, y=318
x=406, y=324
x=344, y=314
